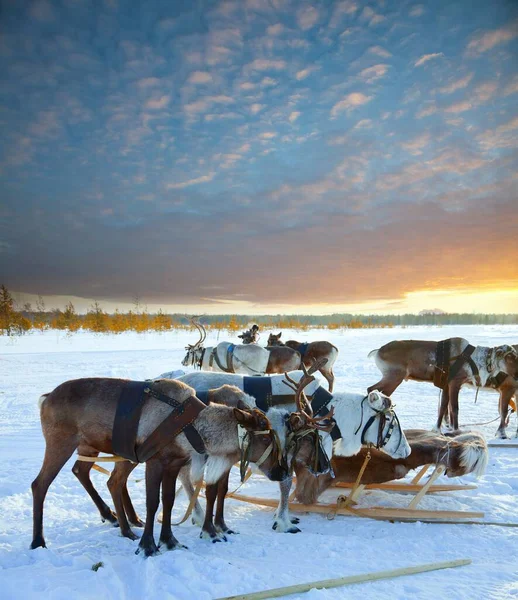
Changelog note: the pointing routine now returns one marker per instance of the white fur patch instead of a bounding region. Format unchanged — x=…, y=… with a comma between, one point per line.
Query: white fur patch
x=215, y=467
x=475, y=455
x=41, y=400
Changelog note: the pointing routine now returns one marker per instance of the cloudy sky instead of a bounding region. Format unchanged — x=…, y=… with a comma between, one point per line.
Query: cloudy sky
x=258, y=155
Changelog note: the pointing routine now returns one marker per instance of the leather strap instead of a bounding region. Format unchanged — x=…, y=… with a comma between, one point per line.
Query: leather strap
x=177, y=421
x=127, y=417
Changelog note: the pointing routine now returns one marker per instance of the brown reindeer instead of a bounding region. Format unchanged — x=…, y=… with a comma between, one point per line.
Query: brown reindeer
x=507, y=387
x=229, y=395
x=461, y=454
x=310, y=352
x=79, y=414
x=417, y=360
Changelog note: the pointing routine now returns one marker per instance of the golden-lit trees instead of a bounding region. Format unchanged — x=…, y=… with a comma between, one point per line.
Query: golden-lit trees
x=11, y=321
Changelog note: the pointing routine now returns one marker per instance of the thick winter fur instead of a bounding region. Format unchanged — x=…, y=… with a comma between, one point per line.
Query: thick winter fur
x=414, y=359
x=461, y=454
x=248, y=359
x=79, y=414
x=349, y=415
x=348, y=412
x=314, y=351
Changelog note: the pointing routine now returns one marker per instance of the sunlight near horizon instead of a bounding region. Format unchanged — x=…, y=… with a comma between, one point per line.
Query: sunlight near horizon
x=449, y=301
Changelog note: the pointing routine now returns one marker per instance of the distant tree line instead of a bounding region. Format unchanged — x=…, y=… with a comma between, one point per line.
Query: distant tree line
x=15, y=320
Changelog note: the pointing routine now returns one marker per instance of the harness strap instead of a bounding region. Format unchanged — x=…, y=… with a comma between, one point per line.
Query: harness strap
x=179, y=420
x=465, y=356
x=228, y=368
x=495, y=381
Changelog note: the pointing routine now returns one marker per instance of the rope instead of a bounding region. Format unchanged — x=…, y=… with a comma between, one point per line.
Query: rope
x=345, y=501
x=484, y=423
x=190, y=508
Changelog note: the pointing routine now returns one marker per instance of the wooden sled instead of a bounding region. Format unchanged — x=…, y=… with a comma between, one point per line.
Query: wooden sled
x=411, y=487
x=346, y=506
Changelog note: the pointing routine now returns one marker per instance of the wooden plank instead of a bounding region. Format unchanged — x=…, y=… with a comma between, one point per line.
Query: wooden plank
x=409, y=487
x=377, y=512
x=439, y=470
x=513, y=445
x=420, y=475
x=349, y=580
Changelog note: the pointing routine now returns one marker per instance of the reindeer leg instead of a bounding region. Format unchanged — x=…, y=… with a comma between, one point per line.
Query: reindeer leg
x=129, y=509
x=505, y=396
x=154, y=471
x=283, y=523
x=82, y=470
x=58, y=450
x=329, y=377
x=168, y=494
x=445, y=399
x=219, y=521
x=388, y=383
x=454, y=389
x=116, y=484
x=208, y=530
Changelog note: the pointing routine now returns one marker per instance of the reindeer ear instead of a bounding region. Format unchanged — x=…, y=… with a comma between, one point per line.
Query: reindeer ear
x=375, y=399
x=244, y=418
x=279, y=335
x=251, y=419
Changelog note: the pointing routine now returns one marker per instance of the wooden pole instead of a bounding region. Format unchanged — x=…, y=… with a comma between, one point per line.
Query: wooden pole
x=350, y=580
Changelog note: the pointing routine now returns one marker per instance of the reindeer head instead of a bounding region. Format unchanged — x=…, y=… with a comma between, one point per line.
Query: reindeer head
x=195, y=351
x=506, y=360
x=275, y=340
x=260, y=444
x=305, y=443
x=380, y=427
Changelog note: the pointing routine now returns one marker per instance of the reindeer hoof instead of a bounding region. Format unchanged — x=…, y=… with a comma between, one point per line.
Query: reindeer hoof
x=150, y=549
x=294, y=520
x=38, y=542
x=137, y=523
x=111, y=517
x=501, y=435
x=293, y=530
x=130, y=535
x=172, y=544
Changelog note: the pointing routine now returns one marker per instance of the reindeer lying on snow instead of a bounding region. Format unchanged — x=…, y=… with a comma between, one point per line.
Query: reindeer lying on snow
x=249, y=359
x=461, y=454
x=449, y=364
x=80, y=414
x=359, y=419
x=309, y=352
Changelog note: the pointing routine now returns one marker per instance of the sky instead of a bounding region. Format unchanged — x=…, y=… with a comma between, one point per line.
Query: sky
x=261, y=155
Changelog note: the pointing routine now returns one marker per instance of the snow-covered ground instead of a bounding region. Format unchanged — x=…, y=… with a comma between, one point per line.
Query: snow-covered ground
x=258, y=558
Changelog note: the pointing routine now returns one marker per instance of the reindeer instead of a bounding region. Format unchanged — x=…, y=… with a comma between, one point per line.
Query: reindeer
x=251, y=335
x=461, y=454
x=250, y=359
x=79, y=414
x=309, y=352
x=507, y=387
x=117, y=483
x=464, y=364
x=360, y=419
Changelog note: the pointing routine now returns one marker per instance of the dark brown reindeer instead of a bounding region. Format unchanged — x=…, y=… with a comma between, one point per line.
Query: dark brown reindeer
x=461, y=454
x=507, y=387
x=449, y=364
x=310, y=352
x=79, y=414
x=228, y=395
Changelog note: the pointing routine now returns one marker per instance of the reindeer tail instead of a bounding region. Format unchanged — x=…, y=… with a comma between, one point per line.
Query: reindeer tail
x=474, y=454
x=41, y=400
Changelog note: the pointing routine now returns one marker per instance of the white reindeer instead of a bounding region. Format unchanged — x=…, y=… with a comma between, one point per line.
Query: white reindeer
x=249, y=359
x=360, y=419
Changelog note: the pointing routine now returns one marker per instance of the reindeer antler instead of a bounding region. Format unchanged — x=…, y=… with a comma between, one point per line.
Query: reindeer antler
x=322, y=423
x=201, y=330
